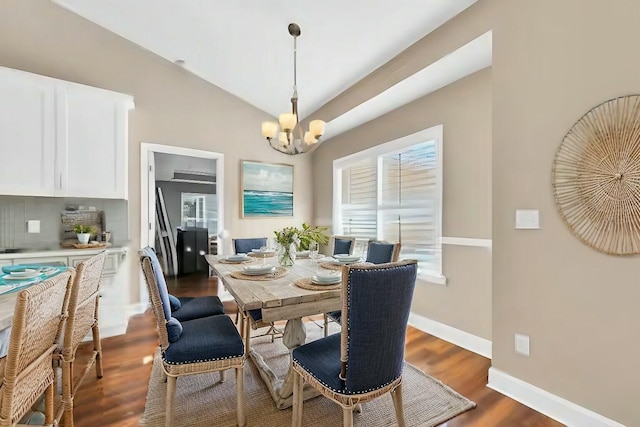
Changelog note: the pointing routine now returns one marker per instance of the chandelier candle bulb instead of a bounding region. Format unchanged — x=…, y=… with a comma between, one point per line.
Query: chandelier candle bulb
x=316, y=127
x=269, y=129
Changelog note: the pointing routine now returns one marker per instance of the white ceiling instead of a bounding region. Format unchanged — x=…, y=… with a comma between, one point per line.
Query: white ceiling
x=243, y=46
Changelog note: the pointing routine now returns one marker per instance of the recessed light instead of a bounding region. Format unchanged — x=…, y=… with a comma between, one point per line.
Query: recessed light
x=180, y=62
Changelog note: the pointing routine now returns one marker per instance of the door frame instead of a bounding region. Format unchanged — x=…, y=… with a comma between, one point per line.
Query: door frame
x=147, y=221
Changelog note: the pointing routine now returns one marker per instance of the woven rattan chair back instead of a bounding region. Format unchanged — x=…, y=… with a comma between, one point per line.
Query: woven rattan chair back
x=27, y=369
x=82, y=319
x=156, y=301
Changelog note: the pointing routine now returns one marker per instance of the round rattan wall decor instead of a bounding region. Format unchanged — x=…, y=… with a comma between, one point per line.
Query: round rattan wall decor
x=596, y=177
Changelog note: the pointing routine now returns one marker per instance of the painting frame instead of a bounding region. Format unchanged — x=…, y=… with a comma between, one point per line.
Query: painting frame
x=266, y=189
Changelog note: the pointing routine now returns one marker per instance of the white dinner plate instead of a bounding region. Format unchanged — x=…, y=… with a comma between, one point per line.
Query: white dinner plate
x=346, y=257
x=237, y=258
x=26, y=274
x=22, y=276
x=257, y=270
x=326, y=280
x=345, y=262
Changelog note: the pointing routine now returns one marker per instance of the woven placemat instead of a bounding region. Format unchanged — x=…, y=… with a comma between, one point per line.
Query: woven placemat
x=330, y=266
x=226, y=261
x=307, y=283
x=280, y=272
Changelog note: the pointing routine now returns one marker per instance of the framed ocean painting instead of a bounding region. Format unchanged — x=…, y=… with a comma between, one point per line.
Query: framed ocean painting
x=267, y=189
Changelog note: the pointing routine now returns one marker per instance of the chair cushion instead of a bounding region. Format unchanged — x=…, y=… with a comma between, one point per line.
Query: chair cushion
x=321, y=359
x=341, y=246
x=159, y=276
x=195, y=308
x=205, y=340
x=174, y=302
x=174, y=329
x=379, y=253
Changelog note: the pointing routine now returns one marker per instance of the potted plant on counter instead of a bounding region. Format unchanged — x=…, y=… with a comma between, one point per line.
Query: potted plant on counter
x=84, y=232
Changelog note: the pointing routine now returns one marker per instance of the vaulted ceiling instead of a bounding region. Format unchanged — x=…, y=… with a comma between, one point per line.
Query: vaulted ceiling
x=244, y=47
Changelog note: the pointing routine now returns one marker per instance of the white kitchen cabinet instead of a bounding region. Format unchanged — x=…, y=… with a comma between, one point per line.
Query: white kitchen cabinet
x=27, y=134
x=63, y=138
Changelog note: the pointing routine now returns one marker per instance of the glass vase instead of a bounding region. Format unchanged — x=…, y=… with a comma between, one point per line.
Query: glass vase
x=287, y=255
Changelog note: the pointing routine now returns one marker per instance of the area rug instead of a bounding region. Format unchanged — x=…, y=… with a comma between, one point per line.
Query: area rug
x=201, y=401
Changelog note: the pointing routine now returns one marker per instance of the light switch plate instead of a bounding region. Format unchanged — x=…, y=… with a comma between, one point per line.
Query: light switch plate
x=522, y=344
x=33, y=226
x=527, y=219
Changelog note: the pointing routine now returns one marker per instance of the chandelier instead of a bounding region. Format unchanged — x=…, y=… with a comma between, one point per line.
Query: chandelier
x=289, y=139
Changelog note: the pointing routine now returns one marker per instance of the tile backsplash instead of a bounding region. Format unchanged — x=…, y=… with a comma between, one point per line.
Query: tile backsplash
x=15, y=211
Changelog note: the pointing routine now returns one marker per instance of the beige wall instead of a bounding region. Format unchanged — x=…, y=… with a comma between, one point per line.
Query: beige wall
x=553, y=61
x=172, y=106
x=464, y=110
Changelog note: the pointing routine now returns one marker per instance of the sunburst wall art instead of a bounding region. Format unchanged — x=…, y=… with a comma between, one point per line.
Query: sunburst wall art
x=596, y=177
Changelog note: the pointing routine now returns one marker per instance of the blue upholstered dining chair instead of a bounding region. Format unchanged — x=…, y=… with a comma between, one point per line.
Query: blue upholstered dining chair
x=244, y=246
x=207, y=344
x=343, y=244
x=185, y=308
x=253, y=317
x=365, y=360
x=377, y=253
x=381, y=252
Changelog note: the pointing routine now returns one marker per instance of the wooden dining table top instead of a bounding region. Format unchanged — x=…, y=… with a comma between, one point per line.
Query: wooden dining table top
x=279, y=299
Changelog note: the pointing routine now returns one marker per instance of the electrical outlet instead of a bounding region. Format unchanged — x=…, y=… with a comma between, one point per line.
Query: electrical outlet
x=33, y=226
x=522, y=344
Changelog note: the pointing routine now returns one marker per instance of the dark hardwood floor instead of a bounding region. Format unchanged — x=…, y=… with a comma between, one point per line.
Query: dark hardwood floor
x=118, y=398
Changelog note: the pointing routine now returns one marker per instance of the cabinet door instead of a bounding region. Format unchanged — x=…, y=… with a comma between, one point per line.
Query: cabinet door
x=27, y=135
x=94, y=133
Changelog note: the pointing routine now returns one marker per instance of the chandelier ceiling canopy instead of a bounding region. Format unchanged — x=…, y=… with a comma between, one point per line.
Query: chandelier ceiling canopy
x=289, y=139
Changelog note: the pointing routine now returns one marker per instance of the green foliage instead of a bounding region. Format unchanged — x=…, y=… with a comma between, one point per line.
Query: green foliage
x=302, y=236
x=82, y=228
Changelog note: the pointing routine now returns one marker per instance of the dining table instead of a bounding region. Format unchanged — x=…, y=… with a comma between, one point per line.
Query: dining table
x=279, y=299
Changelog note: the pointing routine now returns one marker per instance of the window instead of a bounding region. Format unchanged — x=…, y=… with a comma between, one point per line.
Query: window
x=200, y=210
x=393, y=192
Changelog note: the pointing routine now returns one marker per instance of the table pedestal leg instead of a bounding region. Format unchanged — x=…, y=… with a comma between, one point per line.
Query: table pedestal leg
x=281, y=389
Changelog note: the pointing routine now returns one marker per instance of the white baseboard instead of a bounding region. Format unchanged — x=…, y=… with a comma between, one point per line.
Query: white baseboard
x=546, y=403
x=455, y=336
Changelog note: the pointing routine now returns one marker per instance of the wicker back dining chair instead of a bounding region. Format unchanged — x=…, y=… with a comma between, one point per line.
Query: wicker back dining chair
x=82, y=319
x=365, y=360
x=378, y=252
x=208, y=344
x=187, y=308
x=27, y=370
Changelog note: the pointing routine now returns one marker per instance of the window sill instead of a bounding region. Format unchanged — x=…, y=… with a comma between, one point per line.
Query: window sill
x=436, y=278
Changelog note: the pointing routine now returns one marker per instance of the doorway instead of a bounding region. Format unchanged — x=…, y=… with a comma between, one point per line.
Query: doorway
x=150, y=154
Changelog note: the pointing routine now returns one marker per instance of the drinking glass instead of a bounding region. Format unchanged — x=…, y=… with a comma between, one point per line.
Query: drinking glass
x=313, y=253
x=263, y=250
